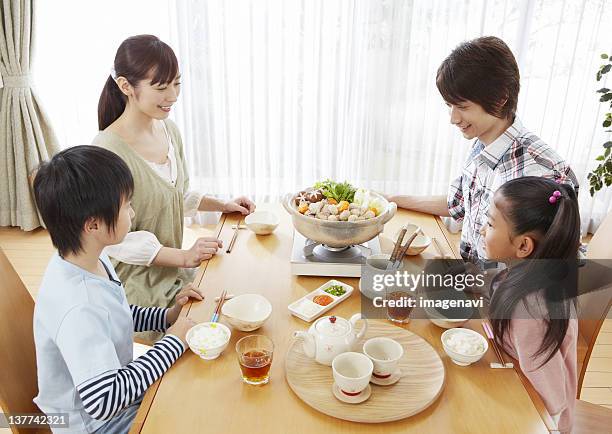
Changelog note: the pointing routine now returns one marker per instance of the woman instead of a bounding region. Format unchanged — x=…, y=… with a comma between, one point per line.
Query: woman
x=133, y=121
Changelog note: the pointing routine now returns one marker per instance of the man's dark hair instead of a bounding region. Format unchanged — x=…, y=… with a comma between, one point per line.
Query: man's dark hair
x=77, y=184
x=483, y=71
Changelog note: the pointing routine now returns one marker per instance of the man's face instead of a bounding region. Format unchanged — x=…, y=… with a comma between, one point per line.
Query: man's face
x=473, y=121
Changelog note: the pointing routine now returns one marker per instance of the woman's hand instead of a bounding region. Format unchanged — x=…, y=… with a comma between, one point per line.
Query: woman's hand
x=240, y=204
x=188, y=291
x=203, y=249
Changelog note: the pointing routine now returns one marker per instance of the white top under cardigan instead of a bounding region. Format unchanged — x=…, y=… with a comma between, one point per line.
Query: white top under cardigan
x=141, y=247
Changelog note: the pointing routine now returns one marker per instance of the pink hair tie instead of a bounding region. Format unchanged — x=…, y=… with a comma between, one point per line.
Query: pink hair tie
x=556, y=195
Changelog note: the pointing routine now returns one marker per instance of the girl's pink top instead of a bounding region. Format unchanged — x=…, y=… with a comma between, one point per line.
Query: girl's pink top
x=556, y=381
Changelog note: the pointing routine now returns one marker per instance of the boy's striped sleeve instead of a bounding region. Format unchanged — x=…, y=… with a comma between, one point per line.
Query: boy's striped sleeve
x=108, y=393
x=149, y=318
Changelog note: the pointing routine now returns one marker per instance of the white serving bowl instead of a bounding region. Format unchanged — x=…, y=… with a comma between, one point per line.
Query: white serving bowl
x=460, y=358
x=262, y=222
x=441, y=321
x=419, y=244
x=247, y=312
x=207, y=352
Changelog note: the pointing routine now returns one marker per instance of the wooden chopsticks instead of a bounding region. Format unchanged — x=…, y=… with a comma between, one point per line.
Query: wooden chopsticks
x=231, y=244
x=399, y=250
x=489, y=332
x=439, y=248
x=215, y=317
x=396, y=247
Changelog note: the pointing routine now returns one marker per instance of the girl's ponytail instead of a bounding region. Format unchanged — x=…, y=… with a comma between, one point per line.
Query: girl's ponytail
x=110, y=105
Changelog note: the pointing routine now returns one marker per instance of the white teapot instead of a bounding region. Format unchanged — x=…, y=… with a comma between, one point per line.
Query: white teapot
x=330, y=336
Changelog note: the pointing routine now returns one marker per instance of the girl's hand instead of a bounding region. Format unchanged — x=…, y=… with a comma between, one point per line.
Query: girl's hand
x=202, y=250
x=188, y=291
x=241, y=204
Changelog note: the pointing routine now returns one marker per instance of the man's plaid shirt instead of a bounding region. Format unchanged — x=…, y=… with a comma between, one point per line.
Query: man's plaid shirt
x=516, y=153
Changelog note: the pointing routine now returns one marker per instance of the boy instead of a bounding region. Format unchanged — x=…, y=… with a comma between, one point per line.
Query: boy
x=480, y=83
x=83, y=325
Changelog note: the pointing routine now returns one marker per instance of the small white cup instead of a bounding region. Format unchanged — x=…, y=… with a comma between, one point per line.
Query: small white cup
x=385, y=354
x=352, y=372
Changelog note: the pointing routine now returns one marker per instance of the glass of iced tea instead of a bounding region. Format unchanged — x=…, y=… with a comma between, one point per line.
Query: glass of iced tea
x=402, y=303
x=255, y=358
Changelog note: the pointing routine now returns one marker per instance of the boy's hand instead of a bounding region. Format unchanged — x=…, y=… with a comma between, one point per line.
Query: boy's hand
x=188, y=291
x=180, y=328
x=203, y=249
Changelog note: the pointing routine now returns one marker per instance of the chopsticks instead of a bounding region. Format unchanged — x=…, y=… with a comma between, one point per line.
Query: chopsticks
x=215, y=317
x=399, y=250
x=438, y=247
x=396, y=248
x=231, y=244
x=489, y=332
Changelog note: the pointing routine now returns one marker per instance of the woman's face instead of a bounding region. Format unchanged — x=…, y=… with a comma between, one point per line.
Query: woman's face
x=156, y=100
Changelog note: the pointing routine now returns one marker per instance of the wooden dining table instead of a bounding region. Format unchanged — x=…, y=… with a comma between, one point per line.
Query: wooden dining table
x=209, y=396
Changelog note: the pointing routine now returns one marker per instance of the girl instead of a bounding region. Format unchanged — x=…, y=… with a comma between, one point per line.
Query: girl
x=532, y=312
x=133, y=119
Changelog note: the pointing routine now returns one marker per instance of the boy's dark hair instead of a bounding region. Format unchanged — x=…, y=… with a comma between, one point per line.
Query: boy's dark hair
x=483, y=71
x=77, y=184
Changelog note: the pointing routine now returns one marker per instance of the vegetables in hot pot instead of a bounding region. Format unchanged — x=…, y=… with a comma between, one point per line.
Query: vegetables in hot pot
x=332, y=201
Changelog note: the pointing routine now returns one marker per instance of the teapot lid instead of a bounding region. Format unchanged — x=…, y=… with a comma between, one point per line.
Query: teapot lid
x=332, y=326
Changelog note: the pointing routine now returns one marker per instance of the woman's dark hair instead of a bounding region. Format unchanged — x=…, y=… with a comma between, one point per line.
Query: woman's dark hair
x=138, y=58
x=77, y=184
x=484, y=71
x=524, y=203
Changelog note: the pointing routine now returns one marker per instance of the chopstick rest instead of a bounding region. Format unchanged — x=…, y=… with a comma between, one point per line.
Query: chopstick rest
x=227, y=297
x=496, y=365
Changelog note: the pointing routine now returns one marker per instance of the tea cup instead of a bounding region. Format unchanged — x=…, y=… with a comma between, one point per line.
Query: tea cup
x=385, y=354
x=352, y=372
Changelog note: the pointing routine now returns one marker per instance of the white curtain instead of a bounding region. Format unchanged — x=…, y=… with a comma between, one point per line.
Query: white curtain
x=280, y=93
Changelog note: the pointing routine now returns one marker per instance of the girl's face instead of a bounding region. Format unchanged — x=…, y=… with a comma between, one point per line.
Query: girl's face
x=154, y=100
x=473, y=121
x=499, y=242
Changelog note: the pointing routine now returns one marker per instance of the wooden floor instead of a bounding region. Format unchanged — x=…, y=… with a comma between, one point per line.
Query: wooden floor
x=29, y=253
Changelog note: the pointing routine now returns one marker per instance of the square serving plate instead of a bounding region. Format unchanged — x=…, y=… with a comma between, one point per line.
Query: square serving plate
x=307, y=310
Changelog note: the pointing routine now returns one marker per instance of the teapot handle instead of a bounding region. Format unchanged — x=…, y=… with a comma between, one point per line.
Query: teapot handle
x=364, y=328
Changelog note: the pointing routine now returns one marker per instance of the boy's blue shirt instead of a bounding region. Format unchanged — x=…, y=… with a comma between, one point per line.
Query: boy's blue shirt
x=83, y=327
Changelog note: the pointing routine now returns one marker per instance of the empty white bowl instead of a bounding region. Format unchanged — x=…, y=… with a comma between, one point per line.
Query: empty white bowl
x=462, y=358
x=247, y=312
x=208, y=339
x=441, y=321
x=262, y=222
x=419, y=244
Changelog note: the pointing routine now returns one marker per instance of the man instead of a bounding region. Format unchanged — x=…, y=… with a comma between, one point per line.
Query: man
x=480, y=83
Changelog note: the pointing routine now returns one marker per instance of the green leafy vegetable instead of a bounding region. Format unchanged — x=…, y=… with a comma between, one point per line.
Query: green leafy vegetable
x=337, y=190
x=336, y=290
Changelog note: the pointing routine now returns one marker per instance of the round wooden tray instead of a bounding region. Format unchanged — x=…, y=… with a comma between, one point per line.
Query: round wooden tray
x=421, y=382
